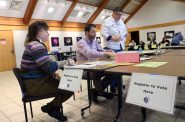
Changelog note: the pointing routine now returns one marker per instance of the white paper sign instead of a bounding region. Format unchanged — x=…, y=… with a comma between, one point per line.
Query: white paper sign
x=152, y=91
x=71, y=79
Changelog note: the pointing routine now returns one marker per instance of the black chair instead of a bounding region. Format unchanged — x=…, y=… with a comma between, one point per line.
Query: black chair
x=25, y=97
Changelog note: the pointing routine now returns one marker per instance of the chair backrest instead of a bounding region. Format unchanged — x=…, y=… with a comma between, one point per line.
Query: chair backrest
x=18, y=73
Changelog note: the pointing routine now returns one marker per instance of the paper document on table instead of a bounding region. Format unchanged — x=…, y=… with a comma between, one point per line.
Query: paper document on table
x=119, y=64
x=81, y=66
x=151, y=64
x=147, y=52
x=89, y=64
x=145, y=58
x=99, y=63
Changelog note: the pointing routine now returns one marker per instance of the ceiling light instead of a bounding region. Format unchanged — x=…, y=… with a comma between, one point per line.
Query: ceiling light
x=80, y=14
x=3, y=3
x=50, y=10
x=63, y=3
x=102, y=17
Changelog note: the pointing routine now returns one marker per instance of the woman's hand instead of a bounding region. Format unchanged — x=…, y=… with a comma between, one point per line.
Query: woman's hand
x=71, y=62
x=56, y=76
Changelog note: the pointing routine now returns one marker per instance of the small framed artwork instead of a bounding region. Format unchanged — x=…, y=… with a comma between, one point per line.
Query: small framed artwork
x=98, y=39
x=54, y=41
x=151, y=36
x=78, y=38
x=169, y=34
x=68, y=41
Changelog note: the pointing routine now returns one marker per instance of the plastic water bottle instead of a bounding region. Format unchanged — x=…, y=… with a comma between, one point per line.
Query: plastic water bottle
x=140, y=50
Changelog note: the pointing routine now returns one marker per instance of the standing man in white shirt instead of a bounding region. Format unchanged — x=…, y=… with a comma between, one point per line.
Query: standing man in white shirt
x=114, y=31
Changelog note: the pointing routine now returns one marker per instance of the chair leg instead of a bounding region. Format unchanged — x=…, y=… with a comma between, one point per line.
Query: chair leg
x=25, y=111
x=180, y=82
x=81, y=87
x=74, y=96
x=31, y=110
x=61, y=110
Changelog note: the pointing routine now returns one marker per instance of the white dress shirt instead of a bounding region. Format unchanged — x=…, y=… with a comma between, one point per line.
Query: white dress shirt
x=111, y=27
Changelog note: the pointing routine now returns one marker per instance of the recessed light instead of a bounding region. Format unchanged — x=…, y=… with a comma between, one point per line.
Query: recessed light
x=80, y=14
x=50, y=10
x=102, y=17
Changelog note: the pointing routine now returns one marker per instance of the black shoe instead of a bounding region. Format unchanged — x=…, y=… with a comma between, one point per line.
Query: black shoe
x=55, y=113
x=47, y=108
x=94, y=96
x=112, y=89
x=106, y=95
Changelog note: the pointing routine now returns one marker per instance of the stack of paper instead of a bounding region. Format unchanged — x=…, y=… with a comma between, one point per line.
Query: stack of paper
x=119, y=64
x=89, y=64
x=81, y=66
x=145, y=58
x=131, y=57
x=151, y=64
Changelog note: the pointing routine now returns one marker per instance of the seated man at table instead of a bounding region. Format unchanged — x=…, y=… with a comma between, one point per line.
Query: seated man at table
x=89, y=49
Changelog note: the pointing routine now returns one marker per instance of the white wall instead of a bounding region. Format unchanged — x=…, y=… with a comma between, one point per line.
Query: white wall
x=160, y=32
x=19, y=39
x=158, y=11
x=20, y=35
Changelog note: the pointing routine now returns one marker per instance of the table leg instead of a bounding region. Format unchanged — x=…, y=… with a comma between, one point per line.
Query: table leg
x=89, y=95
x=120, y=92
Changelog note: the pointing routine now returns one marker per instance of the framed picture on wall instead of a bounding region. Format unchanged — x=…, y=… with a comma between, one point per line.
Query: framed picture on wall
x=151, y=36
x=98, y=39
x=78, y=38
x=68, y=41
x=169, y=34
x=54, y=41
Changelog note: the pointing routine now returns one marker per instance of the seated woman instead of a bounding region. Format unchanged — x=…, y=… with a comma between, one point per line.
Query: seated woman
x=39, y=70
x=131, y=45
x=152, y=42
x=164, y=42
x=142, y=45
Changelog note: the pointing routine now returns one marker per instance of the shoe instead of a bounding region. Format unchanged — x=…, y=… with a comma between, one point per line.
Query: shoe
x=112, y=89
x=47, y=108
x=94, y=96
x=106, y=95
x=55, y=113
